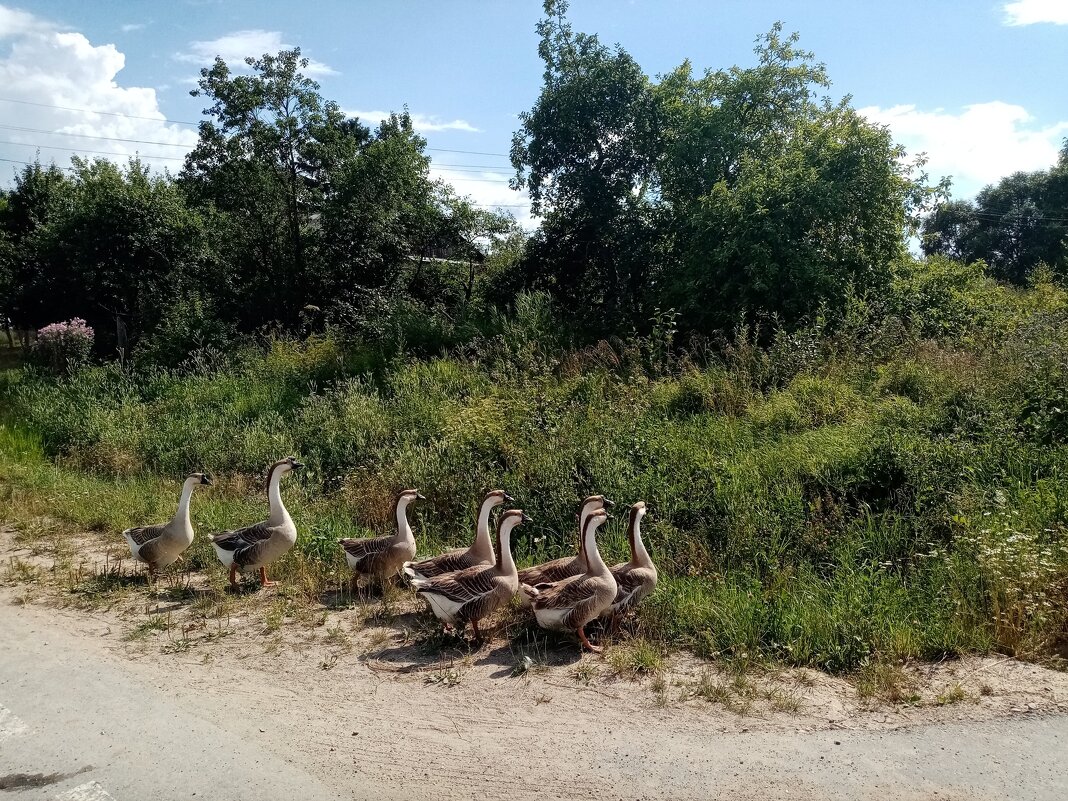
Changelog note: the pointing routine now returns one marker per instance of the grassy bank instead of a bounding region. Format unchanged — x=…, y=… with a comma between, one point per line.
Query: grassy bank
x=892, y=487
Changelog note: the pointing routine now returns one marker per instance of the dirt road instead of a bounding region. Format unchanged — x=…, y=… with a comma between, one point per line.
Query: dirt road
x=81, y=721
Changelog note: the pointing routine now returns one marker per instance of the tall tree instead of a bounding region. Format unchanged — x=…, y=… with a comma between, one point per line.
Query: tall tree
x=585, y=153
x=117, y=248
x=264, y=159
x=1013, y=225
x=37, y=194
x=739, y=189
x=380, y=211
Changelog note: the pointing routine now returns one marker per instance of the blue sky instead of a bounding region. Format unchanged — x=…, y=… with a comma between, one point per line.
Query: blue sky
x=979, y=85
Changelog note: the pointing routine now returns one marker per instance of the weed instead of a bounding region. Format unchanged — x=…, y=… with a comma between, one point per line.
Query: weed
x=585, y=672
x=144, y=629
x=953, y=694
x=635, y=658
x=444, y=676
x=887, y=682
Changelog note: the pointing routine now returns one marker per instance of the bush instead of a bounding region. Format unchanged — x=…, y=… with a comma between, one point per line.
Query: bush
x=64, y=347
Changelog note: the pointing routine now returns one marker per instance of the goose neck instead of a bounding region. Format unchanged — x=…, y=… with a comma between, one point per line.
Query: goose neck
x=588, y=509
x=183, y=502
x=505, y=562
x=483, y=545
x=404, y=528
x=274, y=496
x=594, y=563
x=638, y=555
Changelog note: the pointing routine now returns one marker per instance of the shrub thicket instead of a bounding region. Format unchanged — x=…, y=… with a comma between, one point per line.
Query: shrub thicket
x=824, y=497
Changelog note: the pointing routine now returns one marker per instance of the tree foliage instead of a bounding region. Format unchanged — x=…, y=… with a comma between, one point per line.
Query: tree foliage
x=735, y=190
x=1014, y=225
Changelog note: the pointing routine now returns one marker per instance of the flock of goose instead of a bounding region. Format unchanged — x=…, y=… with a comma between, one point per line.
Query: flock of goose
x=461, y=586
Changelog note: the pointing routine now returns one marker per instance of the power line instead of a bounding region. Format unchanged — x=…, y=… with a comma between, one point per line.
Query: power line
x=91, y=136
x=83, y=150
x=30, y=164
x=469, y=152
x=93, y=111
x=188, y=122
x=174, y=144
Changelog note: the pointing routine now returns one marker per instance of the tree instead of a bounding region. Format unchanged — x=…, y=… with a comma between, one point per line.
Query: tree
x=38, y=193
x=1013, y=225
x=585, y=153
x=117, y=248
x=380, y=211
x=265, y=160
x=738, y=190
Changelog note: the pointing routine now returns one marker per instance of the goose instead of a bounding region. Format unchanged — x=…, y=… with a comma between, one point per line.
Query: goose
x=475, y=592
x=258, y=545
x=162, y=545
x=570, y=604
x=634, y=579
x=383, y=556
x=480, y=552
x=567, y=566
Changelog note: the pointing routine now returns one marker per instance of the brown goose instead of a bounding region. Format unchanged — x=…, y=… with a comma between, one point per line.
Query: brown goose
x=475, y=592
x=634, y=579
x=258, y=545
x=382, y=557
x=480, y=552
x=567, y=566
x=570, y=604
x=162, y=545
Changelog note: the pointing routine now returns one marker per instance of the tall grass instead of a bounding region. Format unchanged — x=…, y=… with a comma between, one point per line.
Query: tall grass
x=883, y=487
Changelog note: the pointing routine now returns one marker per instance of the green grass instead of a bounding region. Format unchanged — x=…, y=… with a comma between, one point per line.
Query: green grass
x=820, y=502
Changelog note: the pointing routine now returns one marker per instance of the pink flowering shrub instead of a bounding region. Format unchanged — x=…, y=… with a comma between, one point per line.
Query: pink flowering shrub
x=64, y=346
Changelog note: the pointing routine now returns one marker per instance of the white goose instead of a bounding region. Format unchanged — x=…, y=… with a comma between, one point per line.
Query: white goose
x=473, y=593
x=634, y=579
x=162, y=545
x=258, y=545
x=383, y=557
x=566, y=566
x=480, y=552
x=570, y=604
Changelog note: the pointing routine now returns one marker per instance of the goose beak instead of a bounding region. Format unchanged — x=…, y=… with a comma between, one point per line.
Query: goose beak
x=609, y=504
x=508, y=498
x=526, y=518
x=420, y=496
x=298, y=465
x=205, y=480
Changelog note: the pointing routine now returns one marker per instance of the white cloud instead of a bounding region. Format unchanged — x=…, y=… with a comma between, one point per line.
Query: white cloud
x=133, y=26
x=423, y=123
x=977, y=146
x=46, y=68
x=488, y=189
x=1032, y=12
x=15, y=22
x=234, y=47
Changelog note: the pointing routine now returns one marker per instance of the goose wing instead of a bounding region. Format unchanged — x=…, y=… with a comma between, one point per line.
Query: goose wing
x=556, y=570
x=439, y=565
x=245, y=543
x=632, y=584
x=366, y=552
x=143, y=534
x=474, y=588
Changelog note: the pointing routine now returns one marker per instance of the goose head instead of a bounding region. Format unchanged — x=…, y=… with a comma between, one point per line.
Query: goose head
x=497, y=497
x=597, y=518
x=595, y=502
x=407, y=496
x=283, y=466
x=637, y=511
x=512, y=518
x=198, y=478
